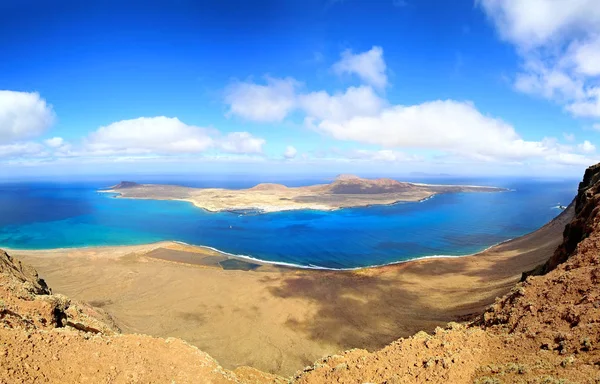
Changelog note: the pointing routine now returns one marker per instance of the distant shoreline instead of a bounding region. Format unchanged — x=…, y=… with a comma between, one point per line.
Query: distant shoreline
x=346, y=191
x=119, y=195
x=147, y=247
x=152, y=246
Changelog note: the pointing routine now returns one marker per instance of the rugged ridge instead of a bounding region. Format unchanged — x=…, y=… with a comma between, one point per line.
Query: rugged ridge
x=587, y=207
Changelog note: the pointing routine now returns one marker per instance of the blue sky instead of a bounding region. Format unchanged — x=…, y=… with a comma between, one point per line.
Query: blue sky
x=371, y=87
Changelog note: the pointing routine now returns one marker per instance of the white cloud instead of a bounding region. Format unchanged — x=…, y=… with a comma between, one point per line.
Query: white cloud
x=54, y=142
x=589, y=106
x=383, y=155
x=148, y=135
x=355, y=101
x=450, y=126
x=587, y=147
x=264, y=103
x=571, y=159
x=569, y=136
x=290, y=152
x=23, y=149
x=596, y=126
x=242, y=142
x=369, y=66
x=534, y=23
x=559, y=42
x=23, y=115
x=586, y=56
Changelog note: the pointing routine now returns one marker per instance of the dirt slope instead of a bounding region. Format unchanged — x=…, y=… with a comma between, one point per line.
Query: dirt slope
x=47, y=338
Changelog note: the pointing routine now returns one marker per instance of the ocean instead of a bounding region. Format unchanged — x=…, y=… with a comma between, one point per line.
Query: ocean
x=44, y=215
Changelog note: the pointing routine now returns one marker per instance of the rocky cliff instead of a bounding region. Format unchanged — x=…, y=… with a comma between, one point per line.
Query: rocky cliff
x=546, y=330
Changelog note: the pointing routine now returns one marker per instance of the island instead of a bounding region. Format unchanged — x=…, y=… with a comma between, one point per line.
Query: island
x=344, y=192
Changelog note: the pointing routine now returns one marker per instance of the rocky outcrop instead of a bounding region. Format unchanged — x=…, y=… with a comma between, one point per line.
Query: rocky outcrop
x=27, y=302
x=586, y=221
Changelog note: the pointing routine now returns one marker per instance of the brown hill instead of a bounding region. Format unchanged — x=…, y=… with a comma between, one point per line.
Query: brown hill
x=354, y=185
x=546, y=330
x=268, y=187
x=125, y=184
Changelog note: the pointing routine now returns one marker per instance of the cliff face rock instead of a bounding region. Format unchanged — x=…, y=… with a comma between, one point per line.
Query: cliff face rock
x=585, y=222
x=22, y=273
x=587, y=206
x=27, y=302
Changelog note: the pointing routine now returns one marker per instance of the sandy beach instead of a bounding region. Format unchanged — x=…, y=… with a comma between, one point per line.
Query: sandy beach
x=280, y=319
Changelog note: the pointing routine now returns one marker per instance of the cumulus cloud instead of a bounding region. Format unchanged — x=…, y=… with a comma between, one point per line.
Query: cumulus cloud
x=446, y=125
x=587, y=147
x=535, y=23
x=23, y=115
x=290, y=152
x=559, y=42
x=54, y=142
x=455, y=128
x=270, y=102
x=369, y=66
x=242, y=142
x=148, y=135
x=355, y=101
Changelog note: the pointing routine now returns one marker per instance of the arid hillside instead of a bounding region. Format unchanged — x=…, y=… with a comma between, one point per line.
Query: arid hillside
x=546, y=330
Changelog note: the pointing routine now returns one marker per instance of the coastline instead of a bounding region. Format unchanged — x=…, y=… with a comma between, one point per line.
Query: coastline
x=280, y=317
x=155, y=245
x=146, y=247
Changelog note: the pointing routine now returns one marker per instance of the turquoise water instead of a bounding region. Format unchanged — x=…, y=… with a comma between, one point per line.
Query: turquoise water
x=74, y=214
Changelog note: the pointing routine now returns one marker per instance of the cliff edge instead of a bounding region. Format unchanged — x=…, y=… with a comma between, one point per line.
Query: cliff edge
x=52, y=339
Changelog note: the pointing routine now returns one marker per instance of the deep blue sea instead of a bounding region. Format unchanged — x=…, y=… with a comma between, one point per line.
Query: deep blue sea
x=73, y=214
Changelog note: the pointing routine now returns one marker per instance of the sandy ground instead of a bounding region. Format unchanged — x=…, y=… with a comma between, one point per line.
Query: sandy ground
x=281, y=319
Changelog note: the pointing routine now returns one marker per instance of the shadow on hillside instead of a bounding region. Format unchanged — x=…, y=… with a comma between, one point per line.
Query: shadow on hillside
x=358, y=311
x=371, y=310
